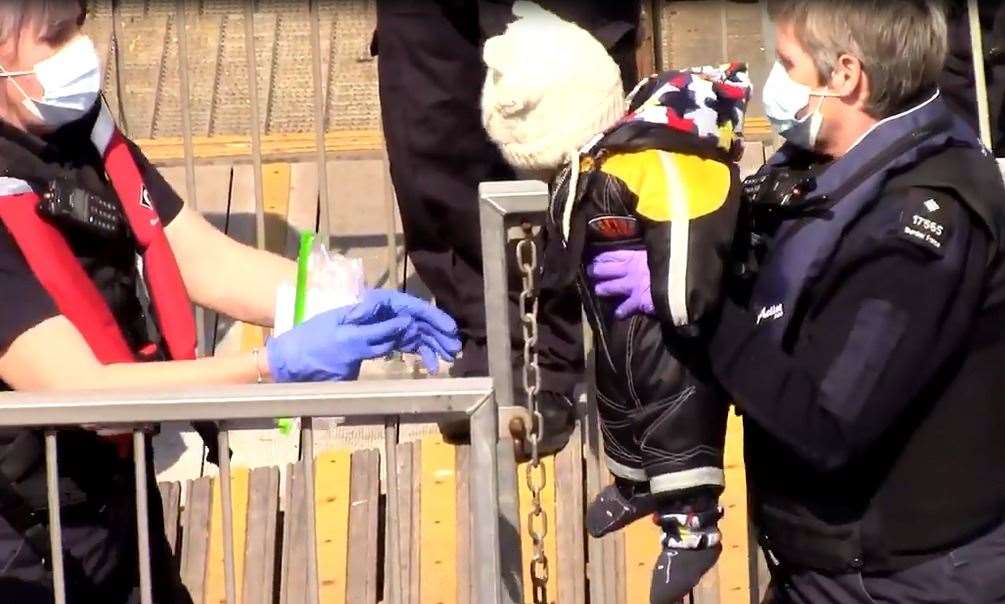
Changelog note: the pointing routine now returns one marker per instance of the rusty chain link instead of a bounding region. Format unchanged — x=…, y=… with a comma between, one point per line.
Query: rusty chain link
x=537, y=477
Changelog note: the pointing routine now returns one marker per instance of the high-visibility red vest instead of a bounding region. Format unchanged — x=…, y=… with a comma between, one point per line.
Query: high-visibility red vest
x=54, y=264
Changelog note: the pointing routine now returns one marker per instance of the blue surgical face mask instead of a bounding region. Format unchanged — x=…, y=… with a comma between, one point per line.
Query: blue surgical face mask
x=784, y=98
x=71, y=83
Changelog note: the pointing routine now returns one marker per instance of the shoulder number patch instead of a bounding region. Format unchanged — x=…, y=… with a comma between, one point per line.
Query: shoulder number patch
x=925, y=224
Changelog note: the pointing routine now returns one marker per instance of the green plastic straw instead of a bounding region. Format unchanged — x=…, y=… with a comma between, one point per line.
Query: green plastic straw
x=299, y=303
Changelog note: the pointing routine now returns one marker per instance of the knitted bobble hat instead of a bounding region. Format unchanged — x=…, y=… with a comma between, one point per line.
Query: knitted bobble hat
x=550, y=88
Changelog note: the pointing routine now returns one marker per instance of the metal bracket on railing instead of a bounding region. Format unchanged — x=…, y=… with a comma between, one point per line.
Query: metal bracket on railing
x=514, y=423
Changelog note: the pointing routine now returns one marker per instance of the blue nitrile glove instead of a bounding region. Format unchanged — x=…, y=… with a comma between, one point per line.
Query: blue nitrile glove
x=429, y=343
x=333, y=345
x=623, y=274
x=432, y=335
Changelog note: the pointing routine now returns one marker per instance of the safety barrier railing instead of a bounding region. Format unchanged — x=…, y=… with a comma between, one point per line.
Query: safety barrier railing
x=404, y=400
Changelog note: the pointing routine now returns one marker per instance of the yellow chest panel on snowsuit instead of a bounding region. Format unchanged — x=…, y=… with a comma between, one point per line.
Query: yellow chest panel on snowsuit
x=671, y=186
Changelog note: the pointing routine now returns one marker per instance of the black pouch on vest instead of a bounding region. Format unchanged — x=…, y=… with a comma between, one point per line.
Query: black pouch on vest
x=833, y=549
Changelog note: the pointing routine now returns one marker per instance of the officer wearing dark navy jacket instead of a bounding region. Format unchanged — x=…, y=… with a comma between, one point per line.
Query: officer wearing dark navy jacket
x=864, y=338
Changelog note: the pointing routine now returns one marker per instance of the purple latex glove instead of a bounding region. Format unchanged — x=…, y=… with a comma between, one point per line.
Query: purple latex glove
x=623, y=274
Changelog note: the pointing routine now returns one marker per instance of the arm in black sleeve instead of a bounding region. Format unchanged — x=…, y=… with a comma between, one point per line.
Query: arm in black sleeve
x=895, y=314
x=166, y=200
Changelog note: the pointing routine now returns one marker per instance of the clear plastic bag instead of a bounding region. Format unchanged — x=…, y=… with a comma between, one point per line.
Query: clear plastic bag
x=333, y=281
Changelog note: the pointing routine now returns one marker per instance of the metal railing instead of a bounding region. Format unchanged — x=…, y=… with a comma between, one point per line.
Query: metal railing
x=407, y=400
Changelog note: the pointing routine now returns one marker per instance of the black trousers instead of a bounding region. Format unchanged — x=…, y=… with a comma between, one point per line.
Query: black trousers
x=99, y=547
x=970, y=574
x=662, y=414
x=431, y=77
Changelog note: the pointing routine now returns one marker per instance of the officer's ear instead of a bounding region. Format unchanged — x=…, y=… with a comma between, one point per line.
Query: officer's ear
x=850, y=81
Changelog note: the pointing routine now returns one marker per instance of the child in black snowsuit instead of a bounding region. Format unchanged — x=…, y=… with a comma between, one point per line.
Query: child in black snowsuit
x=660, y=178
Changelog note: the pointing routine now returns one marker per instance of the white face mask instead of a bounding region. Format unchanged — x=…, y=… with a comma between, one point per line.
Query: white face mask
x=71, y=83
x=784, y=98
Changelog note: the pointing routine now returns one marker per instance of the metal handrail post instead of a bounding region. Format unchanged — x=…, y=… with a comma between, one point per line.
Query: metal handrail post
x=55, y=524
x=393, y=558
x=229, y=565
x=251, y=61
x=980, y=77
x=324, y=228
x=181, y=19
x=497, y=504
x=142, y=516
x=485, y=543
x=659, y=57
x=307, y=423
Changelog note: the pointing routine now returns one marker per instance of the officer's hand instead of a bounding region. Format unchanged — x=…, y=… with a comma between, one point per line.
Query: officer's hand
x=333, y=345
x=624, y=275
x=433, y=333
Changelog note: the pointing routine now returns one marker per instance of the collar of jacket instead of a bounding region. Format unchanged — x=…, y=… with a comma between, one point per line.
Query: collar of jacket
x=803, y=248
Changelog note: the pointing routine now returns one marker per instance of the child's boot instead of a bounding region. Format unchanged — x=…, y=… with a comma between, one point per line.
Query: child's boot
x=619, y=505
x=691, y=546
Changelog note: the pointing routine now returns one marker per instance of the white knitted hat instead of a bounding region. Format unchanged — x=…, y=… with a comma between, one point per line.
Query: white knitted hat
x=550, y=88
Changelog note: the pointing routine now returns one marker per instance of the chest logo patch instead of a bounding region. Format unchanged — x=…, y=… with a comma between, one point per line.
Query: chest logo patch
x=614, y=228
x=145, y=200
x=771, y=313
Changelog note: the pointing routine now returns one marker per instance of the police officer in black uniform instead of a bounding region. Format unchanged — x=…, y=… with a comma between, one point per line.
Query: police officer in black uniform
x=431, y=77
x=862, y=341
x=866, y=356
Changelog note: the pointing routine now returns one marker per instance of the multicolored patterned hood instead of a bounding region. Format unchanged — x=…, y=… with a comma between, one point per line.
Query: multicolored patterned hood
x=700, y=108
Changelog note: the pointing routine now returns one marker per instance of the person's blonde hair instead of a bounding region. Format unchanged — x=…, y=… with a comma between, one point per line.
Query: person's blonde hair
x=902, y=43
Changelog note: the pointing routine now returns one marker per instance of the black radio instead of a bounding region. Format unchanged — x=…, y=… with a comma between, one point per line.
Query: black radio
x=778, y=187
x=76, y=209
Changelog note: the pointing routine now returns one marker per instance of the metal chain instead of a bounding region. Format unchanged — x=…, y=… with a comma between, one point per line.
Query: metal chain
x=537, y=477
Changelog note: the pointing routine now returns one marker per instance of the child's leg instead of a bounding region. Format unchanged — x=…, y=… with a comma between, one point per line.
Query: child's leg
x=628, y=499
x=681, y=435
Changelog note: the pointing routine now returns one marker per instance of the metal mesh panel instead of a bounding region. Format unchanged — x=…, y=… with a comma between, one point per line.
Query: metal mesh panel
x=218, y=72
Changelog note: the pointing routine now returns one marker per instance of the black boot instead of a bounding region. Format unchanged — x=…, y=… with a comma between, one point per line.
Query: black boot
x=691, y=547
x=617, y=506
x=557, y=412
x=559, y=415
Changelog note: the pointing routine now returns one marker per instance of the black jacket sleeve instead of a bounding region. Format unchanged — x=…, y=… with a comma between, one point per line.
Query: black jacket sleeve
x=166, y=200
x=881, y=326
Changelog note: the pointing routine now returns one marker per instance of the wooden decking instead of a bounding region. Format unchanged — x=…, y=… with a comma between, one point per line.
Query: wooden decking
x=433, y=507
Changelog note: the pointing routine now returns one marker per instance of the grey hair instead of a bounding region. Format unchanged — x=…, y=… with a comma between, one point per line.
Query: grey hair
x=53, y=20
x=902, y=43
